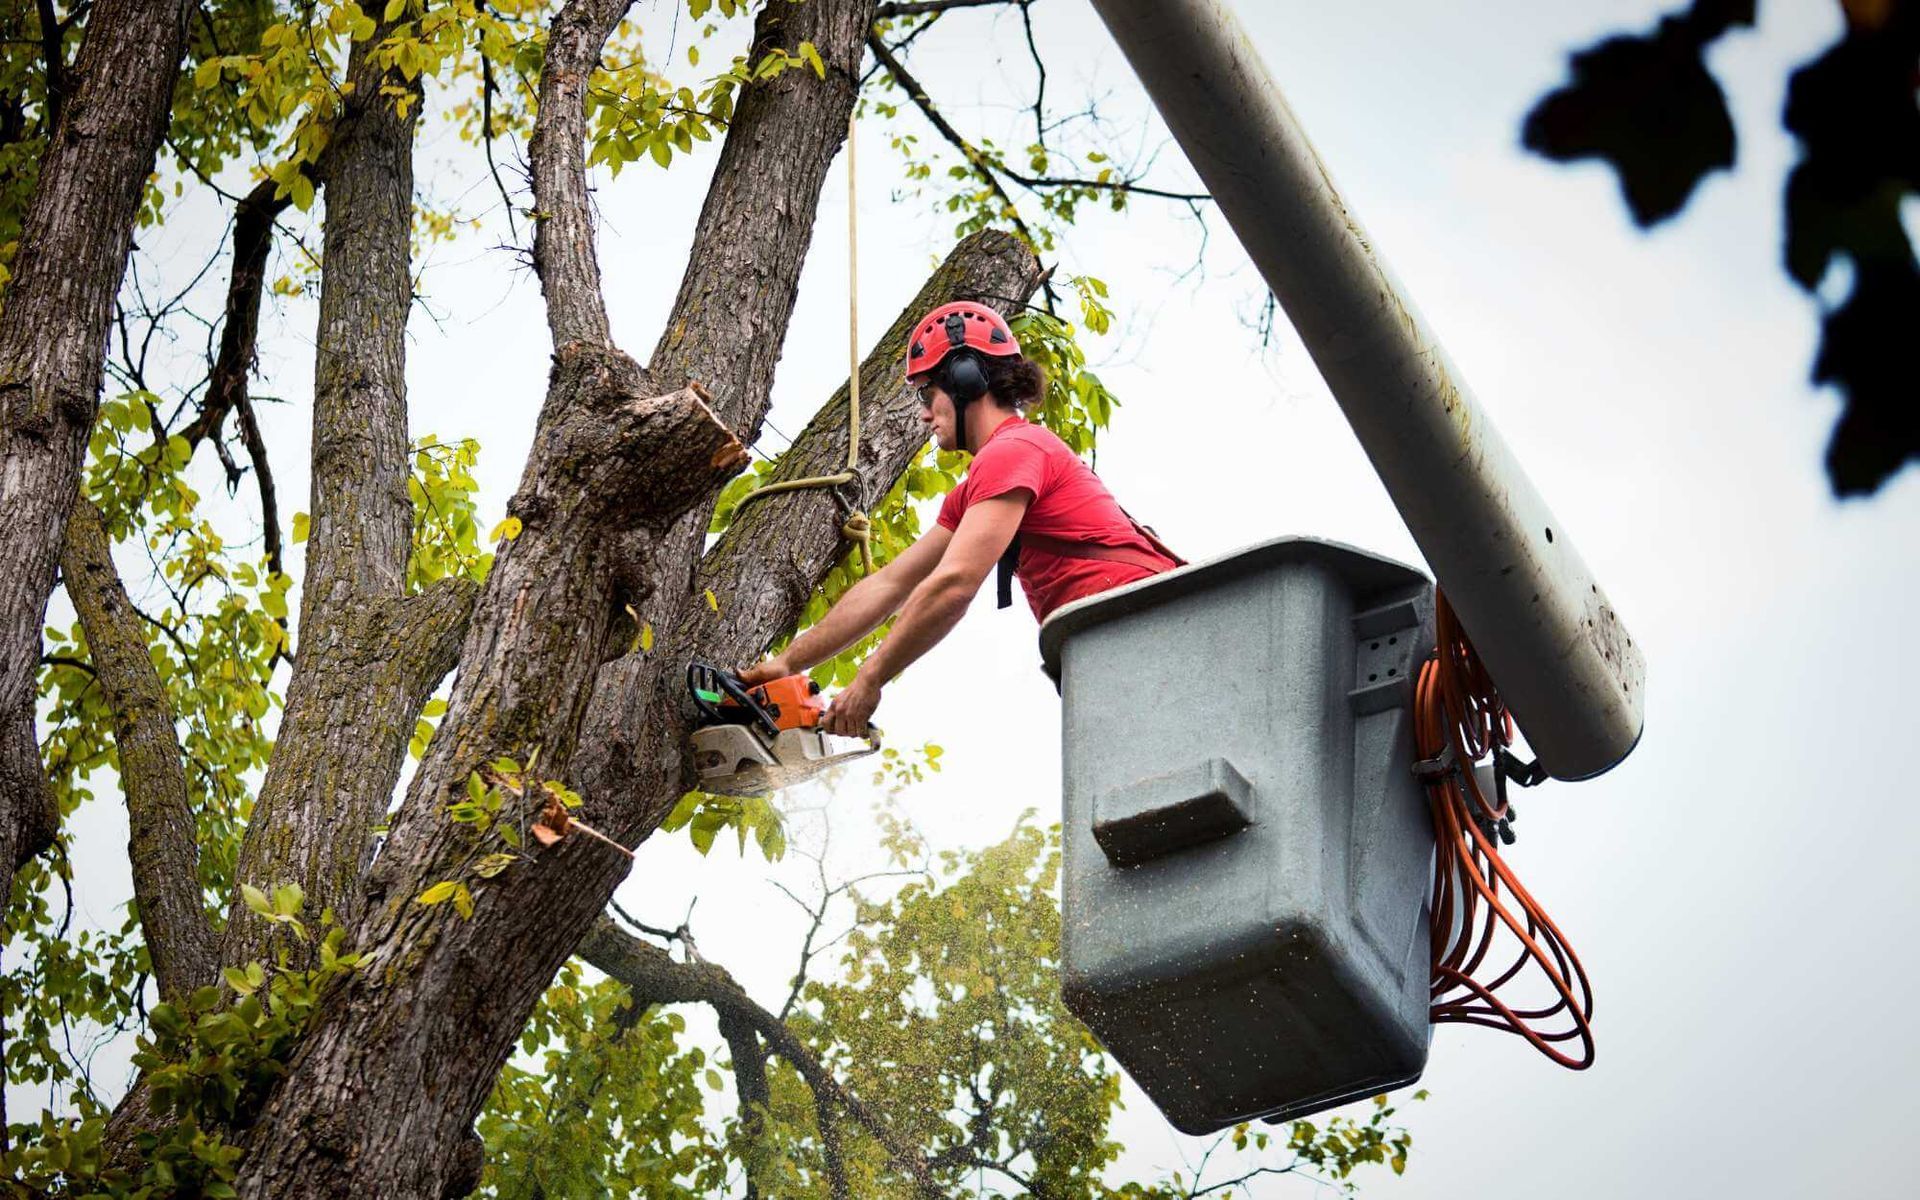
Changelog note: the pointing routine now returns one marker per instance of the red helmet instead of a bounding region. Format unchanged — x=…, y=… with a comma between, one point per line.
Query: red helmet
x=962, y=323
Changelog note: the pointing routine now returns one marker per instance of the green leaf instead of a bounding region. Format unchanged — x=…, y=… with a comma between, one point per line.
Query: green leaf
x=256, y=899
x=703, y=836
x=394, y=9
x=238, y=981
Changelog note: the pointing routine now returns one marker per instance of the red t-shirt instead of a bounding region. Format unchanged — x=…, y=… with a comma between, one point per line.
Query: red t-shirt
x=1069, y=503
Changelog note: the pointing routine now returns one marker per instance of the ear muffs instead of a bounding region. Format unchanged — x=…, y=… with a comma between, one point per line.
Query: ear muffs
x=966, y=379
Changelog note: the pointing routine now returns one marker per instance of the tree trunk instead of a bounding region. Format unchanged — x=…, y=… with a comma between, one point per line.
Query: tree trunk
x=369, y=654
x=53, y=334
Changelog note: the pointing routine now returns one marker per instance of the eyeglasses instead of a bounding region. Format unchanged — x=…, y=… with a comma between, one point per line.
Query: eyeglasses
x=926, y=392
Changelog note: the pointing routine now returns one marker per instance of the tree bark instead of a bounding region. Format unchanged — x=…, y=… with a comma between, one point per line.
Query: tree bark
x=412, y=1044
x=160, y=822
x=369, y=654
x=53, y=332
x=53, y=329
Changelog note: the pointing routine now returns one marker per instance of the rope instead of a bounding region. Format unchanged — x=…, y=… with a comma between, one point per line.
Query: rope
x=1460, y=719
x=858, y=526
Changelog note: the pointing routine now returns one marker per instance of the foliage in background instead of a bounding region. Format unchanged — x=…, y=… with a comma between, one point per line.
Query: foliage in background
x=214, y=637
x=1649, y=106
x=602, y=1100
x=209, y=1061
x=943, y=1016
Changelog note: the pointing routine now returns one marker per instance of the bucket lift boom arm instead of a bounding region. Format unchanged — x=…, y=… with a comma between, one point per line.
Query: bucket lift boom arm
x=1563, y=660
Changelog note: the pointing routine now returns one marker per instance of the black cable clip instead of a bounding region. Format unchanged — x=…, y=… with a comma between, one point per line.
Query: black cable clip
x=1517, y=769
x=1440, y=767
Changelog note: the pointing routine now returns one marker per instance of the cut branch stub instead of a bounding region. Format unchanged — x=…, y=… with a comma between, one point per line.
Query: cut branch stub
x=623, y=457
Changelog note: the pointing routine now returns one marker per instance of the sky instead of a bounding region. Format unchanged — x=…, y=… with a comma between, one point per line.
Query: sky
x=1737, y=889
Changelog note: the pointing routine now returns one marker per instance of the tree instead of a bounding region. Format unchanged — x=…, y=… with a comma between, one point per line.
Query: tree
x=311, y=992
x=939, y=1052
x=1649, y=106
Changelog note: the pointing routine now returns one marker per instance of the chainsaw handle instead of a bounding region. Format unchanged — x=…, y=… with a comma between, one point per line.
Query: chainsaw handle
x=728, y=684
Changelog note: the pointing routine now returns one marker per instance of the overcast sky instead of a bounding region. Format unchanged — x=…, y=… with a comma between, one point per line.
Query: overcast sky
x=1738, y=889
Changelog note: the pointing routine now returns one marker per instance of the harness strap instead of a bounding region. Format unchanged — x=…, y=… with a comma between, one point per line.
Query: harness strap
x=1010, y=561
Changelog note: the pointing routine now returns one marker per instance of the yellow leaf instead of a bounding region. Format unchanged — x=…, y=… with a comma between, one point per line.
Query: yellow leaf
x=302, y=525
x=646, y=636
x=438, y=893
x=508, y=529
x=713, y=602
x=492, y=865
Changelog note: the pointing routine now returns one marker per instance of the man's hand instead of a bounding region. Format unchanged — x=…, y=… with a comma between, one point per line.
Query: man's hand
x=852, y=708
x=766, y=672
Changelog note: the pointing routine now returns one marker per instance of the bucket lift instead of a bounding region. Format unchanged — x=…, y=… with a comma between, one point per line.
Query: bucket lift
x=1248, y=864
x=1244, y=918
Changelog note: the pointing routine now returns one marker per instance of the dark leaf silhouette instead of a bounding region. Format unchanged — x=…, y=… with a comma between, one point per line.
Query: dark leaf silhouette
x=1648, y=106
x=1869, y=348
x=1853, y=110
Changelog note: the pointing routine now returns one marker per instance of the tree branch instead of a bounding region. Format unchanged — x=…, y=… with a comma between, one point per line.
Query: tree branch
x=982, y=166
x=162, y=841
x=989, y=167
x=750, y=1084
x=656, y=979
x=253, y=224
x=730, y=315
x=776, y=552
x=52, y=35
x=918, y=8
x=73, y=245
x=563, y=244
x=829, y=1122
x=263, y=479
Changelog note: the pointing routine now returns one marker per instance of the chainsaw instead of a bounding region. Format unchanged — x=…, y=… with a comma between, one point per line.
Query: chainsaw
x=750, y=741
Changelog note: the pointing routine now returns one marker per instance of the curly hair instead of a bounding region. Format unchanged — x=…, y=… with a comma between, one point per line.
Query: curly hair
x=1014, y=380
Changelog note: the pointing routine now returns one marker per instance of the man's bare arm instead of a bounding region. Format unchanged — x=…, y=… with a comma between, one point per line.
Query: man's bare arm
x=934, y=607
x=859, y=612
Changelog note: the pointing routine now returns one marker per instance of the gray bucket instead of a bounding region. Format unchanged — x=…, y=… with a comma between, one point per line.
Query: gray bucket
x=1247, y=854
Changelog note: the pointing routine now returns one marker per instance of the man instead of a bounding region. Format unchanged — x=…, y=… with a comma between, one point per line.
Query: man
x=1073, y=539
